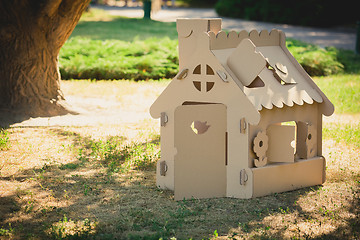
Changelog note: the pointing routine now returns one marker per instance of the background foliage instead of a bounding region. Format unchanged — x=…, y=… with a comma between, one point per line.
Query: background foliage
x=83, y=58
x=98, y=49
x=200, y=3
x=305, y=12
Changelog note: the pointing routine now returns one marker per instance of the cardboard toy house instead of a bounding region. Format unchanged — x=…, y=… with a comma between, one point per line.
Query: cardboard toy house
x=241, y=119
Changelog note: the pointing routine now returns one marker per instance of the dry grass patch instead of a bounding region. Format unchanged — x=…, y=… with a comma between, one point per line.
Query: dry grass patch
x=52, y=174
x=114, y=95
x=64, y=184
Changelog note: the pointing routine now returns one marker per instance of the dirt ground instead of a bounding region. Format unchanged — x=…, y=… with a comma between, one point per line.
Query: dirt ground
x=102, y=104
x=57, y=180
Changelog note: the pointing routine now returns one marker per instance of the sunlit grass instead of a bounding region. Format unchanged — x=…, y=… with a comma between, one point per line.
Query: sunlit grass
x=83, y=58
x=103, y=46
x=343, y=91
x=99, y=25
x=343, y=133
x=4, y=139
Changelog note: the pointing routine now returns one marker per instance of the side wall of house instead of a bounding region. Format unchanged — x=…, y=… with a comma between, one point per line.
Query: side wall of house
x=305, y=114
x=303, y=168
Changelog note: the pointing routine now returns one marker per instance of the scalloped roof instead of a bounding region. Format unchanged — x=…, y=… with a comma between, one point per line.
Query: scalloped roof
x=279, y=78
x=257, y=68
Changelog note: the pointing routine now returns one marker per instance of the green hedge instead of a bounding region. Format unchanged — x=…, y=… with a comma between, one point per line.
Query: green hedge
x=303, y=12
x=200, y=3
x=83, y=58
x=315, y=60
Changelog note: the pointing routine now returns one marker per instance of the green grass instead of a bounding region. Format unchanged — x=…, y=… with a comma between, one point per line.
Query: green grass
x=343, y=133
x=99, y=25
x=111, y=47
x=350, y=60
x=7, y=232
x=4, y=139
x=69, y=166
x=68, y=229
x=343, y=91
x=125, y=29
x=117, y=154
x=83, y=58
x=120, y=157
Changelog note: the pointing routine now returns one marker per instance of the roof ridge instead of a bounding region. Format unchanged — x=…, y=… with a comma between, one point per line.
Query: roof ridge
x=222, y=40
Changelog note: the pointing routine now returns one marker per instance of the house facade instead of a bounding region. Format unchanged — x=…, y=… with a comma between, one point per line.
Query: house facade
x=241, y=119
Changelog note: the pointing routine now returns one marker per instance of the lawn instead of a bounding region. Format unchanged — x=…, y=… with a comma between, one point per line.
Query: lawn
x=97, y=181
x=99, y=25
x=343, y=92
x=111, y=47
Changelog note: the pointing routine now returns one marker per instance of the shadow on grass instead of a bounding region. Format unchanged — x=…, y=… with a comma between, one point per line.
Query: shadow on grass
x=99, y=196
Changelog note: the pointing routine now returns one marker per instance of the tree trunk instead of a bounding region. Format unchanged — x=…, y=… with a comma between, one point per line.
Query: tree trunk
x=31, y=35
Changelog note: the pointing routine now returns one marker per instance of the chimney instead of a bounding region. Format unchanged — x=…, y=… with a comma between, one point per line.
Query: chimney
x=188, y=31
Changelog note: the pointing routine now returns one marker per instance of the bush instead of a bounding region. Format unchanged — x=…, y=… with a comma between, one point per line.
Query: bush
x=82, y=58
x=315, y=60
x=349, y=59
x=98, y=49
x=200, y=3
x=304, y=12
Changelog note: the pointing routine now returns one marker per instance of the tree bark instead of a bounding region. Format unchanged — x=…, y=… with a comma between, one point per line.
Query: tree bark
x=31, y=35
